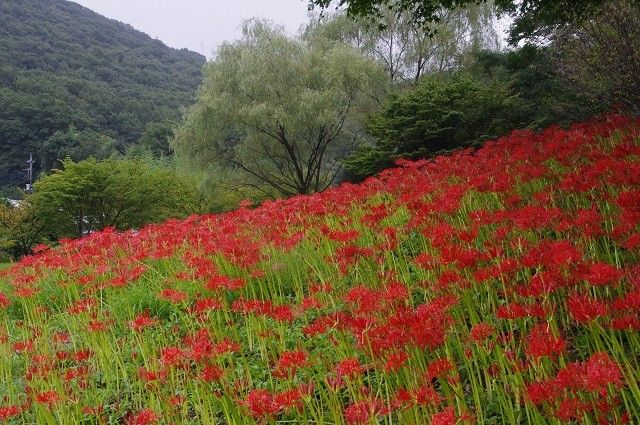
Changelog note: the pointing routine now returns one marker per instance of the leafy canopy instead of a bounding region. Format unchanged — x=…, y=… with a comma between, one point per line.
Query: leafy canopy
x=531, y=17
x=280, y=112
x=91, y=195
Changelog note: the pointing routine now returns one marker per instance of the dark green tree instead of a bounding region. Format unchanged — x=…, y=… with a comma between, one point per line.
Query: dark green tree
x=443, y=112
x=77, y=145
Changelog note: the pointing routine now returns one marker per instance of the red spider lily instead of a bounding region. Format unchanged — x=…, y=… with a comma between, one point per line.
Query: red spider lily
x=143, y=417
x=395, y=361
x=211, y=373
x=585, y=309
x=290, y=362
x=150, y=376
x=172, y=356
x=439, y=368
x=541, y=342
x=142, y=321
x=349, y=367
x=600, y=274
x=173, y=295
x=203, y=305
x=4, y=301
x=481, y=331
x=362, y=412
x=49, y=398
x=8, y=412
x=261, y=404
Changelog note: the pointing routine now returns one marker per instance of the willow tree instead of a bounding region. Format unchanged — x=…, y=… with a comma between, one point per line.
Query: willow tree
x=407, y=49
x=530, y=18
x=280, y=112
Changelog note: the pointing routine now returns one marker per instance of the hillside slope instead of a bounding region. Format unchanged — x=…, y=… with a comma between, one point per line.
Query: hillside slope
x=491, y=287
x=62, y=64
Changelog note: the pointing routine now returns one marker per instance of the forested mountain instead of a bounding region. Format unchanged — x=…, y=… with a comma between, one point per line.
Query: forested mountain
x=65, y=68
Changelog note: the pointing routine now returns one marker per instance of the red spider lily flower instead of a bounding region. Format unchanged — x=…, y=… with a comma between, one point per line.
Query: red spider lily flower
x=4, y=301
x=585, y=309
x=571, y=409
x=49, y=398
x=542, y=392
x=142, y=321
x=395, y=361
x=541, y=342
x=627, y=322
x=173, y=295
x=600, y=274
x=97, y=326
x=515, y=311
x=8, y=412
x=198, y=345
x=481, y=331
x=143, y=417
x=84, y=305
x=446, y=417
x=261, y=404
x=226, y=346
x=211, y=373
x=600, y=371
x=290, y=362
x=172, y=356
x=177, y=400
x=439, y=368
x=22, y=346
x=203, y=305
x=349, y=367
x=150, y=376
x=290, y=399
x=82, y=355
x=362, y=412
x=426, y=395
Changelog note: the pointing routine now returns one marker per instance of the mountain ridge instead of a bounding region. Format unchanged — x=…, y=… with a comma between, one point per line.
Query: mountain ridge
x=63, y=65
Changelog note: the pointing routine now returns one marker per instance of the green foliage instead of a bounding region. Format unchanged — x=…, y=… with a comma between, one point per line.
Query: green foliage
x=531, y=18
x=545, y=97
x=408, y=50
x=21, y=229
x=601, y=57
x=91, y=195
x=63, y=65
x=441, y=113
x=77, y=145
x=278, y=113
x=156, y=139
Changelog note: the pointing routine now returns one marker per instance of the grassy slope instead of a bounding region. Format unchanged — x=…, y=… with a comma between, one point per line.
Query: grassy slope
x=495, y=287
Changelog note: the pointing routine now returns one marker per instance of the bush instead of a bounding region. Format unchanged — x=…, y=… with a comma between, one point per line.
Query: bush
x=91, y=195
x=441, y=113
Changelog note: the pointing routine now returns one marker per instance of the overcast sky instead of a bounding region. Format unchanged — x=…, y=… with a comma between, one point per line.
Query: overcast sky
x=198, y=25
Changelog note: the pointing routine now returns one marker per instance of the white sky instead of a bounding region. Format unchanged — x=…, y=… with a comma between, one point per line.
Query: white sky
x=199, y=25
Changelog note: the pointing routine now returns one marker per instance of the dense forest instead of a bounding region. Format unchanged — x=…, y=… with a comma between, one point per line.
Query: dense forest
x=69, y=75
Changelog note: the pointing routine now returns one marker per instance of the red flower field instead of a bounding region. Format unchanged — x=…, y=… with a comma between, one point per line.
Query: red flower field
x=497, y=286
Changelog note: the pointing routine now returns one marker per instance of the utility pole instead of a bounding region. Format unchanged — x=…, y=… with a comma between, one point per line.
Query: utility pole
x=29, y=171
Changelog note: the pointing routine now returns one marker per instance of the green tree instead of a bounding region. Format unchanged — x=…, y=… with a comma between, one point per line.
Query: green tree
x=531, y=18
x=601, y=56
x=280, y=112
x=531, y=74
x=91, y=195
x=406, y=49
x=156, y=139
x=443, y=112
x=21, y=229
x=77, y=145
